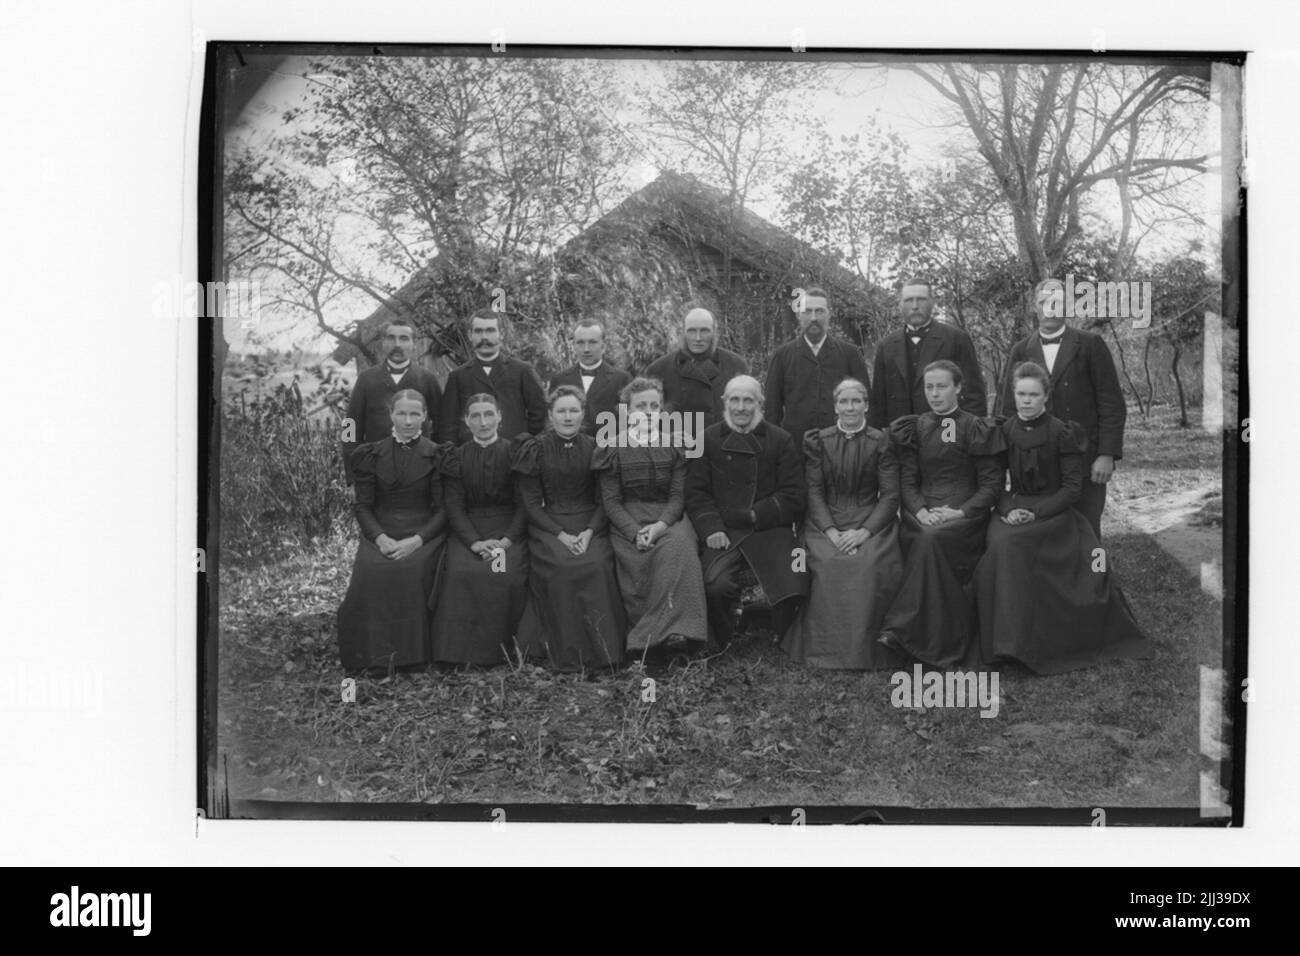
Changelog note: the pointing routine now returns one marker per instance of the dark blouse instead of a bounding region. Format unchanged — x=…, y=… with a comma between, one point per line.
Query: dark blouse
x=398, y=489
x=852, y=479
x=556, y=479
x=654, y=474
x=480, y=480
x=1045, y=460
x=950, y=459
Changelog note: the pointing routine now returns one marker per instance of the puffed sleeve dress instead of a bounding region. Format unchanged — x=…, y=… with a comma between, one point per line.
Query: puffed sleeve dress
x=663, y=588
x=852, y=483
x=383, y=620
x=477, y=603
x=574, y=618
x=1046, y=594
x=948, y=460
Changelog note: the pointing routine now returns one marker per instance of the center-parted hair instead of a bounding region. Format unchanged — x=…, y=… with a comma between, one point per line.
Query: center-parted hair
x=945, y=366
x=566, y=391
x=641, y=384
x=407, y=395
x=1035, y=371
x=483, y=397
x=849, y=383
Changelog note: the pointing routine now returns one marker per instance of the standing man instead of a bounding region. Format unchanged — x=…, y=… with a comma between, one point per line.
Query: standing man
x=368, y=415
x=515, y=385
x=897, y=386
x=1085, y=389
x=803, y=374
x=743, y=494
x=696, y=375
x=600, y=381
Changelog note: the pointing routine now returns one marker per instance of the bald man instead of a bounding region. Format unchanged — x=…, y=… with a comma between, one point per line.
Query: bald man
x=696, y=374
x=744, y=495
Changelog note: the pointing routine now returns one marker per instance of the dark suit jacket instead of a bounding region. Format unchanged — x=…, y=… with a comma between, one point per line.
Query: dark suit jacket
x=603, y=396
x=697, y=386
x=516, y=387
x=762, y=472
x=893, y=396
x=368, y=406
x=1085, y=388
x=799, y=385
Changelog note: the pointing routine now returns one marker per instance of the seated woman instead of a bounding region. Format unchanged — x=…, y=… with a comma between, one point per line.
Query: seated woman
x=483, y=582
x=851, y=536
x=1044, y=595
x=951, y=474
x=643, y=482
x=574, y=617
x=383, y=620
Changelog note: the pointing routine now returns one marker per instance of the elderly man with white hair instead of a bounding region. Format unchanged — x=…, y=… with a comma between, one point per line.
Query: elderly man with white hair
x=744, y=495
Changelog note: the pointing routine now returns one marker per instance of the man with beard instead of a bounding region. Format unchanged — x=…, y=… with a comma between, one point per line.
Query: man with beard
x=1085, y=389
x=515, y=386
x=897, y=386
x=368, y=418
x=803, y=374
x=743, y=495
x=696, y=374
x=599, y=381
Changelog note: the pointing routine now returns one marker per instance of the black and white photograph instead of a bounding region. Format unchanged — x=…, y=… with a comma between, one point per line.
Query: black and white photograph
x=763, y=435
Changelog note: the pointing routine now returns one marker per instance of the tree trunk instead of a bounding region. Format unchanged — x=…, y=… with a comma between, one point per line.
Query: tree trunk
x=1123, y=364
x=1146, y=370
x=1182, y=400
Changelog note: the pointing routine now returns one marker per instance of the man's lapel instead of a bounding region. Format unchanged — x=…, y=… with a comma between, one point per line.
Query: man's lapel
x=1064, y=355
x=929, y=350
x=898, y=349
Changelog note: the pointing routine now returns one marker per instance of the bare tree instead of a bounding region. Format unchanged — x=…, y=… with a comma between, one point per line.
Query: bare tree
x=1053, y=132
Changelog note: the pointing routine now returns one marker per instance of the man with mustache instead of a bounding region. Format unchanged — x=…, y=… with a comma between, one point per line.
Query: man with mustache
x=368, y=405
x=897, y=386
x=695, y=376
x=743, y=495
x=802, y=376
x=514, y=385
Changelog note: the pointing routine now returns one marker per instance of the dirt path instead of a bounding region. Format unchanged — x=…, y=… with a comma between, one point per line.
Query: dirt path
x=1169, y=518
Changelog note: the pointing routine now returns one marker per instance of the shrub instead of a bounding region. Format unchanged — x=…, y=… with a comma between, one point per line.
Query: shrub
x=281, y=479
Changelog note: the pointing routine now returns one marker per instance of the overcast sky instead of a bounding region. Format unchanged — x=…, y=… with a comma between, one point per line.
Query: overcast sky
x=895, y=99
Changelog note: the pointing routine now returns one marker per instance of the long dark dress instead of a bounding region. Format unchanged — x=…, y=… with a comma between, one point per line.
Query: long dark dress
x=383, y=619
x=663, y=588
x=477, y=603
x=852, y=483
x=1045, y=598
x=944, y=460
x=574, y=617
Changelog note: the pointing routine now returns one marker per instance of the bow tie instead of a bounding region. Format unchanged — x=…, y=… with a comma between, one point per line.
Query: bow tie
x=915, y=334
x=1055, y=341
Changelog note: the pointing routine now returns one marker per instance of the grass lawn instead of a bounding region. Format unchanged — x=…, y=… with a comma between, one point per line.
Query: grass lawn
x=741, y=729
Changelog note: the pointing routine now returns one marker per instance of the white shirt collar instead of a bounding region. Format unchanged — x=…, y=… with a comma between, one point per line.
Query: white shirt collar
x=816, y=349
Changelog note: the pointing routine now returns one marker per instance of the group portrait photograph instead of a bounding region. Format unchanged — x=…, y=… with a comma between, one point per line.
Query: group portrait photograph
x=771, y=435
